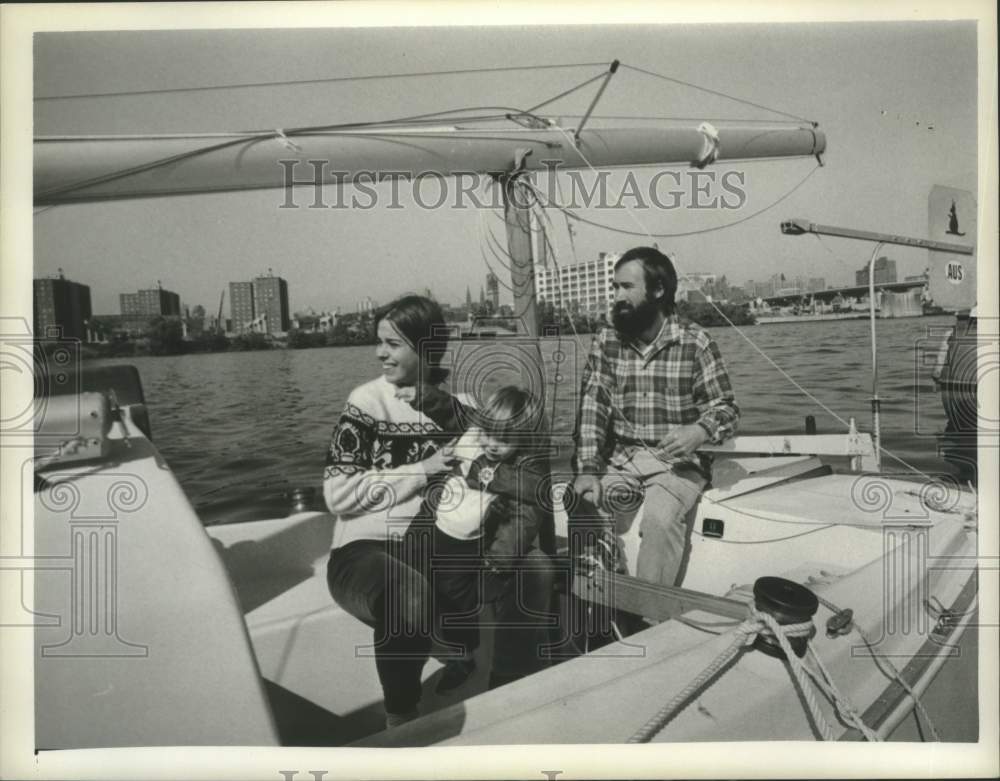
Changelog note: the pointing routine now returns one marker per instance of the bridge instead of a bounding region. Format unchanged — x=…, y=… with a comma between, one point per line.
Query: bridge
x=857, y=291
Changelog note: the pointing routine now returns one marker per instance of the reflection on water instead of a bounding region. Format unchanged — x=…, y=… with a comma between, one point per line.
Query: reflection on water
x=241, y=426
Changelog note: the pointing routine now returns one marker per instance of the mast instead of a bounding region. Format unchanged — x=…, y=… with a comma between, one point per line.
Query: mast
x=517, y=218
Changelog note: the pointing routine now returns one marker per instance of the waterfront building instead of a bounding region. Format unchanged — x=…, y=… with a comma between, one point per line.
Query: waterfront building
x=152, y=302
x=270, y=301
x=691, y=286
x=764, y=289
x=493, y=291
x=366, y=305
x=61, y=304
x=579, y=287
x=241, y=306
x=260, y=306
x=885, y=271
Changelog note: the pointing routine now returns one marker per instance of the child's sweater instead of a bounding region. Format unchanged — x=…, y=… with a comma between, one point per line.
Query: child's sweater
x=510, y=497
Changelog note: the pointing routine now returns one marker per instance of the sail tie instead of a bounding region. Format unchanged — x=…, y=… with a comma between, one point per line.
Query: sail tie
x=710, y=148
x=290, y=145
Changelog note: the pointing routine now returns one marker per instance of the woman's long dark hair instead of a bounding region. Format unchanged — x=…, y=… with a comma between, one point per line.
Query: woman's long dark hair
x=420, y=321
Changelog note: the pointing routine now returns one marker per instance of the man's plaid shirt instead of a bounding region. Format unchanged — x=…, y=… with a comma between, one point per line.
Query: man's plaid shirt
x=633, y=397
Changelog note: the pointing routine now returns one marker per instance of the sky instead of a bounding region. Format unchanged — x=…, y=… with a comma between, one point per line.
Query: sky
x=897, y=101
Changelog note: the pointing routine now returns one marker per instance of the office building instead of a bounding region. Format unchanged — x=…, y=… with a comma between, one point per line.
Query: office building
x=580, y=287
x=885, y=271
x=61, y=304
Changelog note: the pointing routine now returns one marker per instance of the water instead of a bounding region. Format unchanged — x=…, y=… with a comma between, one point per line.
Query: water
x=247, y=425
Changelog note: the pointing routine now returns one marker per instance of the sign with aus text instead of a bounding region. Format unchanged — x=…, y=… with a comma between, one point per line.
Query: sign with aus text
x=951, y=217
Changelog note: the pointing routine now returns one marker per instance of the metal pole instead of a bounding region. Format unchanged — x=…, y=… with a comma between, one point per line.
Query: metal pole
x=604, y=85
x=798, y=227
x=876, y=404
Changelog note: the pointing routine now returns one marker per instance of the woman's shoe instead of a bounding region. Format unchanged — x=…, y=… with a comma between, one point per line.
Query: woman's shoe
x=456, y=672
x=499, y=679
x=396, y=719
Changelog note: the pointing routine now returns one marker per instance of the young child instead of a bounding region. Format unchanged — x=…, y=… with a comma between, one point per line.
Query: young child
x=486, y=512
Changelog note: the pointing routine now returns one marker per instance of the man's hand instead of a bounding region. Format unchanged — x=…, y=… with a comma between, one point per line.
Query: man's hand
x=588, y=487
x=684, y=440
x=406, y=393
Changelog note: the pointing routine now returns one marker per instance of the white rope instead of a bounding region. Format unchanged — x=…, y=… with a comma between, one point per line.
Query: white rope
x=848, y=712
x=893, y=670
x=757, y=624
x=798, y=670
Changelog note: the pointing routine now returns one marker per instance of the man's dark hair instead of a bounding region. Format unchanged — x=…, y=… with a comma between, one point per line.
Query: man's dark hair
x=658, y=271
x=420, y=321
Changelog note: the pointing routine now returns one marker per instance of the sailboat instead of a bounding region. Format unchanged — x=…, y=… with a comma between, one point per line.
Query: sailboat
x=155, y=630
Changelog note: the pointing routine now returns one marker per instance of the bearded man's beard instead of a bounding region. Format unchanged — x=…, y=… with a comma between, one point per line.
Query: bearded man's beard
x=630, y=321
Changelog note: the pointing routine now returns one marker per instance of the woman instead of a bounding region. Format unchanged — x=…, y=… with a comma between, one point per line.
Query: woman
x=381, y=458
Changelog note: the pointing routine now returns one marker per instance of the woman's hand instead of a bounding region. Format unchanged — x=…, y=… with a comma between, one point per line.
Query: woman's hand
x=441, y=461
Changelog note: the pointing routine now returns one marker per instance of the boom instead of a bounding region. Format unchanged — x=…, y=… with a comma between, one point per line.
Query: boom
x=69, y=169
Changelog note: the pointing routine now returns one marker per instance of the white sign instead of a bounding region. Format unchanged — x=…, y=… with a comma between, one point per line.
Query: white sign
x=954, y=272
x=951, y=217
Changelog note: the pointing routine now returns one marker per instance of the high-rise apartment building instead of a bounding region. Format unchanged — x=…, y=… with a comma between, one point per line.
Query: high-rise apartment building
x=270, y=299
x=260, y=306
x=61, y=303
x=241, y=310
x=154, y=301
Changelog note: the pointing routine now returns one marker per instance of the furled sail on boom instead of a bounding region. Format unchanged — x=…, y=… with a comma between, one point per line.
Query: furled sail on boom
x=76, y=169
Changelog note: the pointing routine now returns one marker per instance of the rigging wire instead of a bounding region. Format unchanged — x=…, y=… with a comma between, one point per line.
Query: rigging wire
x=716, y=92
x=660, y=118
x=740, y=331
x=330, y=80
x=570, y=91
x=647, y=234
x=244, y=138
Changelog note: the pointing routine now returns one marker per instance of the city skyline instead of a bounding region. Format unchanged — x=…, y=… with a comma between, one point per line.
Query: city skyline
x=366, y=302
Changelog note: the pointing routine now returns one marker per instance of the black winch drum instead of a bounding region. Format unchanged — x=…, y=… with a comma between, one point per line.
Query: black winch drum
x=789, y=603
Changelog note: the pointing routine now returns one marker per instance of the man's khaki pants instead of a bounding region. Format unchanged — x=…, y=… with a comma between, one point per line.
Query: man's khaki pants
x=666, y=494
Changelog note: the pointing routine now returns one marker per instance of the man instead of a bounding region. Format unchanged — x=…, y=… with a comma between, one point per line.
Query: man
x=653, y=392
